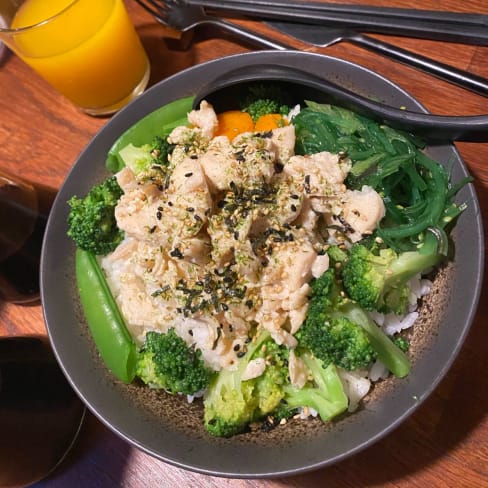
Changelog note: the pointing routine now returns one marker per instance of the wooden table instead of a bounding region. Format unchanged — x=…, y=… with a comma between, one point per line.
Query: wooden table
x=444, y=444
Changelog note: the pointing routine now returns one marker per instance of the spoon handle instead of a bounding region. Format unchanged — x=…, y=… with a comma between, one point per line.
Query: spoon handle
x=459, y=77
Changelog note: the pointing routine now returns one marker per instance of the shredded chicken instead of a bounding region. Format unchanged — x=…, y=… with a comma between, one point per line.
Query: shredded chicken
x=231, y=239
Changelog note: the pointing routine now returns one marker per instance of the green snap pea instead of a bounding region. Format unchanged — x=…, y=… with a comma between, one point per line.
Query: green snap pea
x=107, y=326
x=157, y=123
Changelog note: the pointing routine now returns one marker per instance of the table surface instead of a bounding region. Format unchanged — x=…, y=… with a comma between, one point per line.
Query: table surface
x=443, y=444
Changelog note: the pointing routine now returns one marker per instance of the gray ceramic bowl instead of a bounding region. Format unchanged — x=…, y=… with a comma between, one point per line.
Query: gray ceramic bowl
x=171, y=430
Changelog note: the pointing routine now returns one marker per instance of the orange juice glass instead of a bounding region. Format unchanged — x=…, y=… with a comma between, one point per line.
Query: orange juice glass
x=87, y=49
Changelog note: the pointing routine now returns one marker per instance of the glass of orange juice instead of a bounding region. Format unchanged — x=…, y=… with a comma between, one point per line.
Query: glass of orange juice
x=87, y=49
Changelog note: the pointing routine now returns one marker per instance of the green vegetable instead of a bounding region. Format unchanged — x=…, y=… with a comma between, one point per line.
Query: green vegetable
x=265, y=99
x=333, y=339
x=380, y=281
x=324, y=393
x=113, y=340
x=142, y=158
x=165, y=361
x=415, y=189
x=387, y=351
x=157, y=123
x=230, y=403
x=329, y=305
x=91, y=220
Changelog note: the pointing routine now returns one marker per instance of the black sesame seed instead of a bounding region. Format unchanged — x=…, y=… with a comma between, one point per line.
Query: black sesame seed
x=187, y=175
x=159, y=215
x=237, y=347
x=293, y=208
x=307, y=184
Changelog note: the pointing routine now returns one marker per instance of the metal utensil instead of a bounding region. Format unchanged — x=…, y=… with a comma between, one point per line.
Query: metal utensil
x=324, y=37
x=184, y=17
x=393, y=12
x=470, y=30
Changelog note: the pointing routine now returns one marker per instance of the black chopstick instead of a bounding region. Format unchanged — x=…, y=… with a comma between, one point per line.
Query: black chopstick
x=326, y=7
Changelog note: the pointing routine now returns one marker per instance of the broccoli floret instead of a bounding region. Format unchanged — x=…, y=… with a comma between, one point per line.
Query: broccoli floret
x=91, y=220
x=141, y=158
x=385, y=348
x=265, y=106
x=325, y=393
x=330, y=305
x=380, y=281
x=166, y=361
x=231, y=403
x=401, y=342
x=336, y=255
x=334, y=340
x=269, y=386
x=339, y=341
x=265, y=99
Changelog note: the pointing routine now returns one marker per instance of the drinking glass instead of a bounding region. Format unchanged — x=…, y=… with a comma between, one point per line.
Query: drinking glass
x=24, y=210
x=40, y=415
x=87, y=49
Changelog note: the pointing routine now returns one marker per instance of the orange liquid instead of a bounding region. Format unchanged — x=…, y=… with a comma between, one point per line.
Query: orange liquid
x=90, y=52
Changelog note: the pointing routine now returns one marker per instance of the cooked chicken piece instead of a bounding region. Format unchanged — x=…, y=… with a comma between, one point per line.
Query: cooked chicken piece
x=283, y=140
x=289, y=201
x=126, y=179
x=363, y=211
x=254, y=369
x=256, y=156
x=220, y=165
x=308, y=218
x=168, y=216
x=247, y=264
x=189, y=143
x=205, y=119
x=228, y=233
x=196, y=249
x=129, y=274
x=318, y=174
x=320, y=265
x=285, y=288
x=298, y=370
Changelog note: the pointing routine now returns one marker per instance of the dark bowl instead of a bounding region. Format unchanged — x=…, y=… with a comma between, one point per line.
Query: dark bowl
x=170, y=429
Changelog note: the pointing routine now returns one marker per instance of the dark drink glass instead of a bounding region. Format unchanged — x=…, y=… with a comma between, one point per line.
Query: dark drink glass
x=40, y=415
x=24, y=210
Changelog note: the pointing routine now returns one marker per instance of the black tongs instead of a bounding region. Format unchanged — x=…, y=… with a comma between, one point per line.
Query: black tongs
x=435, y=128
x=466, y=28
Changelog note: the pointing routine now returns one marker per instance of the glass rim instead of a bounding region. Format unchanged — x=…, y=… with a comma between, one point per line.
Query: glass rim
x=18, y=30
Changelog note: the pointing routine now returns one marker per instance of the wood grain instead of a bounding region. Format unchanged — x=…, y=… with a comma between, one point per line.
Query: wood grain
x=444, y=444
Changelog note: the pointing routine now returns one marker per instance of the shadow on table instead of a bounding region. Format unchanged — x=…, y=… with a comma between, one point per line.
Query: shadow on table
x=97, y=454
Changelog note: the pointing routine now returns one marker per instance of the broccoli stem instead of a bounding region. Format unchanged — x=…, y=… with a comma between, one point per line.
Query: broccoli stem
x=327, y=397
x=388, y=353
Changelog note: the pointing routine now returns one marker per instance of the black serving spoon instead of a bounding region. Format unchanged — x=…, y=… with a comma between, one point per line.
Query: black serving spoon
x=224, y=90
